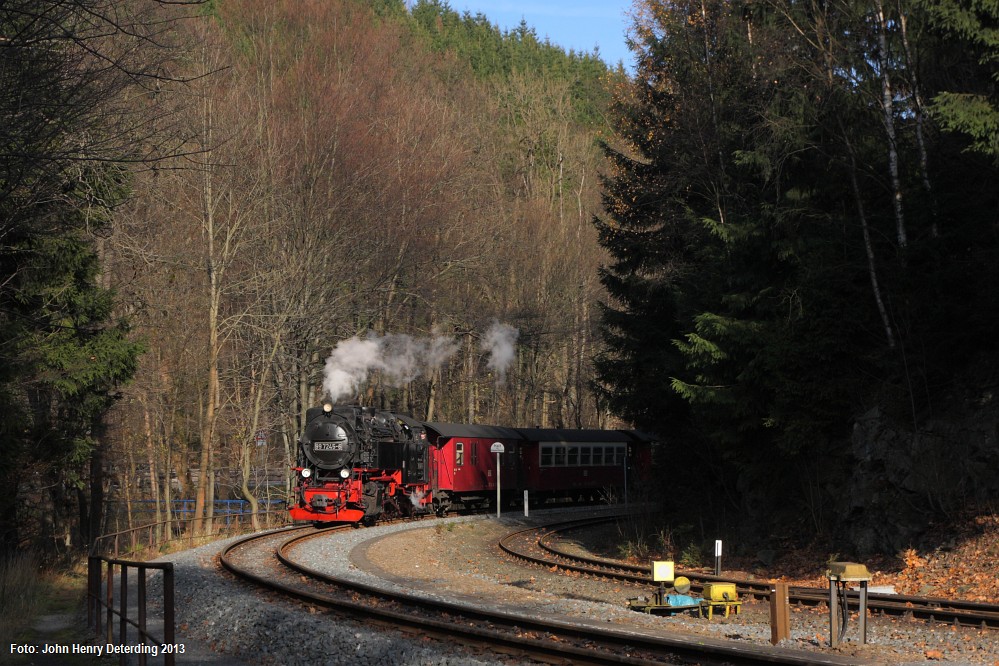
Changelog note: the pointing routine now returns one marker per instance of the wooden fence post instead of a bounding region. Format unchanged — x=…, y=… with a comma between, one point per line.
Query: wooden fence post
x=780, y=617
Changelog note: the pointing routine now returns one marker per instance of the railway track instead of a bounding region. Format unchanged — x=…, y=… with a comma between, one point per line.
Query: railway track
x=540, y=546
x=482, y=627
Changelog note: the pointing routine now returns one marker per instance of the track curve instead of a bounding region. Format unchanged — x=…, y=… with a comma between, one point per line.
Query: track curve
x=951, y=611
x=492, y=629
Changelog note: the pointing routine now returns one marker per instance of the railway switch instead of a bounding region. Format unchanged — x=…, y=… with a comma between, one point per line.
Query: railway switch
x=840, y=574
x=663, y=573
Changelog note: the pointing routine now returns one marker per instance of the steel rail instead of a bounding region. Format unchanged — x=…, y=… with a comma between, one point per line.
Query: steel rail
x=612, y=642
x=446, y=629
x=954, y=611
x=514, y=632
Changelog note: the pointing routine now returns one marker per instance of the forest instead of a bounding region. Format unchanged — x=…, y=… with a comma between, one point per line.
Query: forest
x=773, y=244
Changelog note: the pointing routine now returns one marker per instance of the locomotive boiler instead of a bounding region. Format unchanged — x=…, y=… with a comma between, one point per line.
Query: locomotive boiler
x=357, y=464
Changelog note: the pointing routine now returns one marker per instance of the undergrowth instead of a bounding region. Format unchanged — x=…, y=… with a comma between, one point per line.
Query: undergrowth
x=21, y=594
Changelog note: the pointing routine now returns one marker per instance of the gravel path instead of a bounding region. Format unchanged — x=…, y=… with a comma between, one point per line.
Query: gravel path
x=227, y=621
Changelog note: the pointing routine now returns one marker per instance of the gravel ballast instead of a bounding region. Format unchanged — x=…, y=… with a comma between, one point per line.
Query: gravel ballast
x=230, y=622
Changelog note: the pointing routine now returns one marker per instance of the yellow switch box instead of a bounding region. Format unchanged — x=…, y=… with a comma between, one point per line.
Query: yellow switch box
x=720, y=592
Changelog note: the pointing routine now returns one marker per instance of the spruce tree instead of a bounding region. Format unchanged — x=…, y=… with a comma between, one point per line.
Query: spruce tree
x=970, y=104
x=64, y=126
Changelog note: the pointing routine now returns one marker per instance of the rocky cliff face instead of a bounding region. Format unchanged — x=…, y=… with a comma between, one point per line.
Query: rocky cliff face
x=905, y=479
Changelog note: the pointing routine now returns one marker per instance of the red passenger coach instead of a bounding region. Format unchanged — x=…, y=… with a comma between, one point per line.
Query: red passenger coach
x=549, y=463
x=583, y=464
x=463, y=471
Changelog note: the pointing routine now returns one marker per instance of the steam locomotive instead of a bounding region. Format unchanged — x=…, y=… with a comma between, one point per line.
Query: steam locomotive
x=358, y=464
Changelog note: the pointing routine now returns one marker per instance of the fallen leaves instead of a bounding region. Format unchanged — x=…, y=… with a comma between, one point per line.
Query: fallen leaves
x=965, y=564
x=912, y=559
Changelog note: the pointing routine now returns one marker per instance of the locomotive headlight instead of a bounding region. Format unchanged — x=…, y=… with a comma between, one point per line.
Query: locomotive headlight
x=327, y=407
x=306, y=473
x=344, y=473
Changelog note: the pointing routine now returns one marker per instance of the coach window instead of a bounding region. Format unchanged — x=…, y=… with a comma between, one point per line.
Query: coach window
x=459, y=454
x=546, y=455
x=573, y=456
x=608, y=455
x=585, y=455
x=474, y=446
x=598, y=455
x=560, y=456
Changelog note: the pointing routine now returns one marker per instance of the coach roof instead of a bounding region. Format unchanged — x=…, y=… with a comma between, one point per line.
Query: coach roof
x=452, y=430
x=569, y=435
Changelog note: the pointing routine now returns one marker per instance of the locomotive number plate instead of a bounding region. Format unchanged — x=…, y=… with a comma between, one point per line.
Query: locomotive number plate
x=327, y=446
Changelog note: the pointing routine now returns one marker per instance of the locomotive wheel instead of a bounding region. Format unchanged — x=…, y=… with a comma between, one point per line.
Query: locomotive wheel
x=392, y=509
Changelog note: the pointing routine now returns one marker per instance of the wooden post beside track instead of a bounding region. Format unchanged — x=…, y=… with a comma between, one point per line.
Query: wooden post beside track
x=780, y=616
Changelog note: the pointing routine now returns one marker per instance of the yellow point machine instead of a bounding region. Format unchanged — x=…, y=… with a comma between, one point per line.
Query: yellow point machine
x=662, y=602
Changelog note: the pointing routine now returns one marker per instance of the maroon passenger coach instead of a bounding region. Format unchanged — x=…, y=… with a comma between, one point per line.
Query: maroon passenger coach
x=548, y=463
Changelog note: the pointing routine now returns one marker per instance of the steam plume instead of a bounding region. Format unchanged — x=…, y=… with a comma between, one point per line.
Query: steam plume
x=400, y=357
x=499, y=342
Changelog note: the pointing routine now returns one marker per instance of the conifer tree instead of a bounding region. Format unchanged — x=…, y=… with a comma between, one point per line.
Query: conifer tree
x=64, y=128
x=973, y=107
x=771, y=277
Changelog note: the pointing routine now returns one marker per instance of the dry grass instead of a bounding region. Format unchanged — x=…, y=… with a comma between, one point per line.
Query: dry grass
x=22, y=588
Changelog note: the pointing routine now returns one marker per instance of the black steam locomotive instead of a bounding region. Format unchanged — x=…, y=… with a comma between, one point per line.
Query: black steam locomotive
x=356, y=464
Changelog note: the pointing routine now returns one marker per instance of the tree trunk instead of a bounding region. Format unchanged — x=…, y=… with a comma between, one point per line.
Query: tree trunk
x=435, y=377
x=126, y=485
x=91, y=528
x=888, y=114
x=154, y=477
x=469, y=378
x=868, y=247
x=167, y=496
x=920, y=113
x=248, y=450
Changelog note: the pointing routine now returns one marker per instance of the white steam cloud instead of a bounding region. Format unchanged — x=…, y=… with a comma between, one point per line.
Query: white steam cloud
x=400, y=357
x=500, y=343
